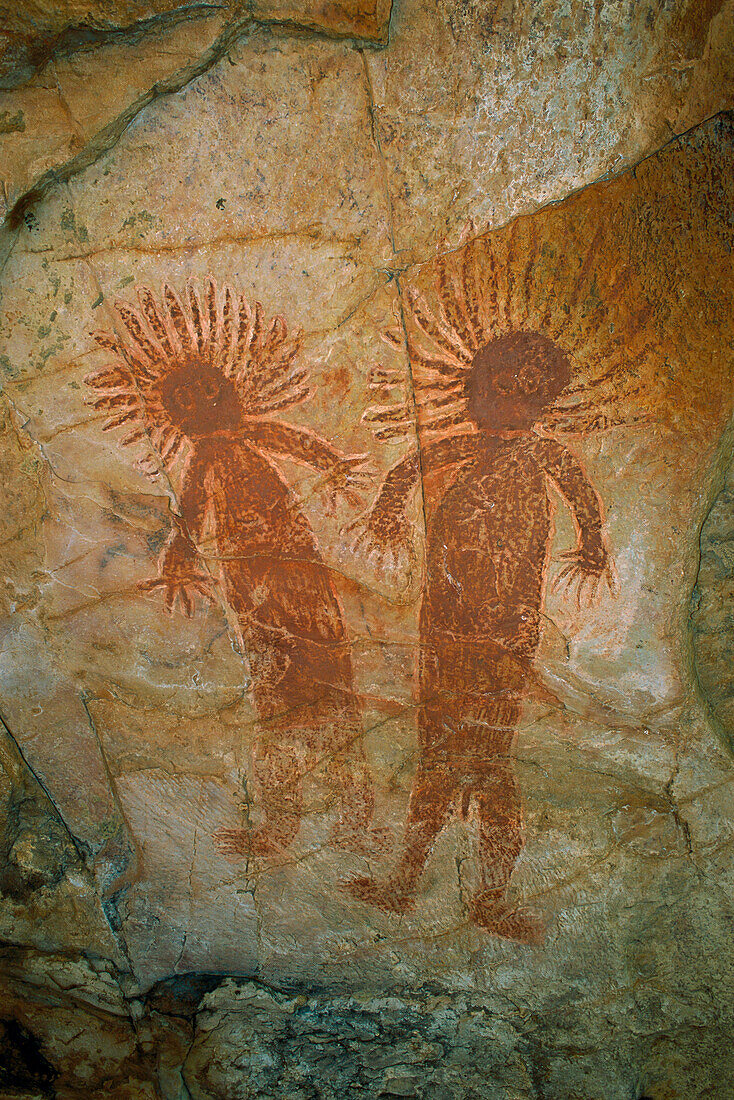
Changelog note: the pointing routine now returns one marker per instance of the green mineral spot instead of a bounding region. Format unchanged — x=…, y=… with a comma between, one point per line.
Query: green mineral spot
x=69, y=225
x=142, y=220
x=30, y=464
x=99, y=301
x=11, y=124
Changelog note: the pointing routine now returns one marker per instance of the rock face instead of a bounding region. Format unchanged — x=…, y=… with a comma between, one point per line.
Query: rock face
x=366, y=609
x=34, y=34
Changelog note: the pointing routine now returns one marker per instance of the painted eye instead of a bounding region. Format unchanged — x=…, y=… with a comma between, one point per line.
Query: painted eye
x=528, y=381
x=184, y=399
x=210, y=389
x=506, y=384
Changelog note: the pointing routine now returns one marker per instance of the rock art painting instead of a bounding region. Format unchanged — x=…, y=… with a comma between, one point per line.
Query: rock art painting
x=498, y=372
x=491, y=374
x=367, y=654
x=203, y=381
x=403, y=650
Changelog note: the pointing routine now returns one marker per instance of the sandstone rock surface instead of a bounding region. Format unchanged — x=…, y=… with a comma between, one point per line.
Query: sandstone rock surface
x=365, y=648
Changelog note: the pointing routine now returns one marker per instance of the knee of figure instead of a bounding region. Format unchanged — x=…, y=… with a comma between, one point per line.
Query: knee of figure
x=357, y=804
x=279, y=777
x=276, y=833
x=498, y=799
x=505, y=829
x=433, y=791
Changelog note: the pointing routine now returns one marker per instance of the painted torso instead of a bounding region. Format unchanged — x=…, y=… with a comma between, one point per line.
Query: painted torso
x=487, y=546
x=273, y=574
x=255, y=512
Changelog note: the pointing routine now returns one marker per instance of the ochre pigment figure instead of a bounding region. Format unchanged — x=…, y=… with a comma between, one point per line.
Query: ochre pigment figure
x=202, y=381
x=488, y=541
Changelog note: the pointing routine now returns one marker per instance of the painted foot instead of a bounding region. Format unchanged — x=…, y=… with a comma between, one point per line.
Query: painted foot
x=512, y=924
x=246, y=844
x=385, y=896
x=232, y=842
x=367, y=842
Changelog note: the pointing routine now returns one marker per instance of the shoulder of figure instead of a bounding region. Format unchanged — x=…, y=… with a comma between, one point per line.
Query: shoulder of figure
x=547, y=449
x=219, y=448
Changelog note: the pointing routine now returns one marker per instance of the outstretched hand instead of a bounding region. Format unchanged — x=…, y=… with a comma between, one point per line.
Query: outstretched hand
x=181, y=582
x=384, y=536
x=347, y=477
x=586, y=576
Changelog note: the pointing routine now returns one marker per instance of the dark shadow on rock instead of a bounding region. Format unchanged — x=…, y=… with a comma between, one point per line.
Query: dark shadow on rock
x=22, y=1063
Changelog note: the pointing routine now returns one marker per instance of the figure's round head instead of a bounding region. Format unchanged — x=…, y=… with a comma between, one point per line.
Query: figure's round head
x=513, y=379
x=200, y=400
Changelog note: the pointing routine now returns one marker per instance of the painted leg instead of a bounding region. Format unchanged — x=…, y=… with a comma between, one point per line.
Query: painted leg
x=433, y=791
x=279, y=782
x=500, y=844
x=351, y=782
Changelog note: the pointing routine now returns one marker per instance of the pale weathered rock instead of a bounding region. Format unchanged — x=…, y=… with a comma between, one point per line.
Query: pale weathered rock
x=76, y=107
x=364, y=652
x=32, y=33
x=711, y=605
x=487, y=111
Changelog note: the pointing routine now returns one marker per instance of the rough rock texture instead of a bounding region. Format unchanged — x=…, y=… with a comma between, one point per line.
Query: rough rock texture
x=34, y=33
x=365, y=620
x=68, y=97
x=712, y=627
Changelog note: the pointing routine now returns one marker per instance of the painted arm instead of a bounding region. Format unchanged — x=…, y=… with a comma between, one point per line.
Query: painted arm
x=404, y=477
x=345, y=474
x=590, y=560
x=180, y=576
x=385, y=528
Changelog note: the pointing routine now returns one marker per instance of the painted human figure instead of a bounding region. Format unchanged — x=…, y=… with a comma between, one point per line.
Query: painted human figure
x=287, y=613
x=202, y=381
x=489, y=536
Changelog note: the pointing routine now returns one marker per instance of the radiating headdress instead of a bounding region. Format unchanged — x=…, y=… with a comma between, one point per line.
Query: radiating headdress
x=513, y=283
x=218, y=330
